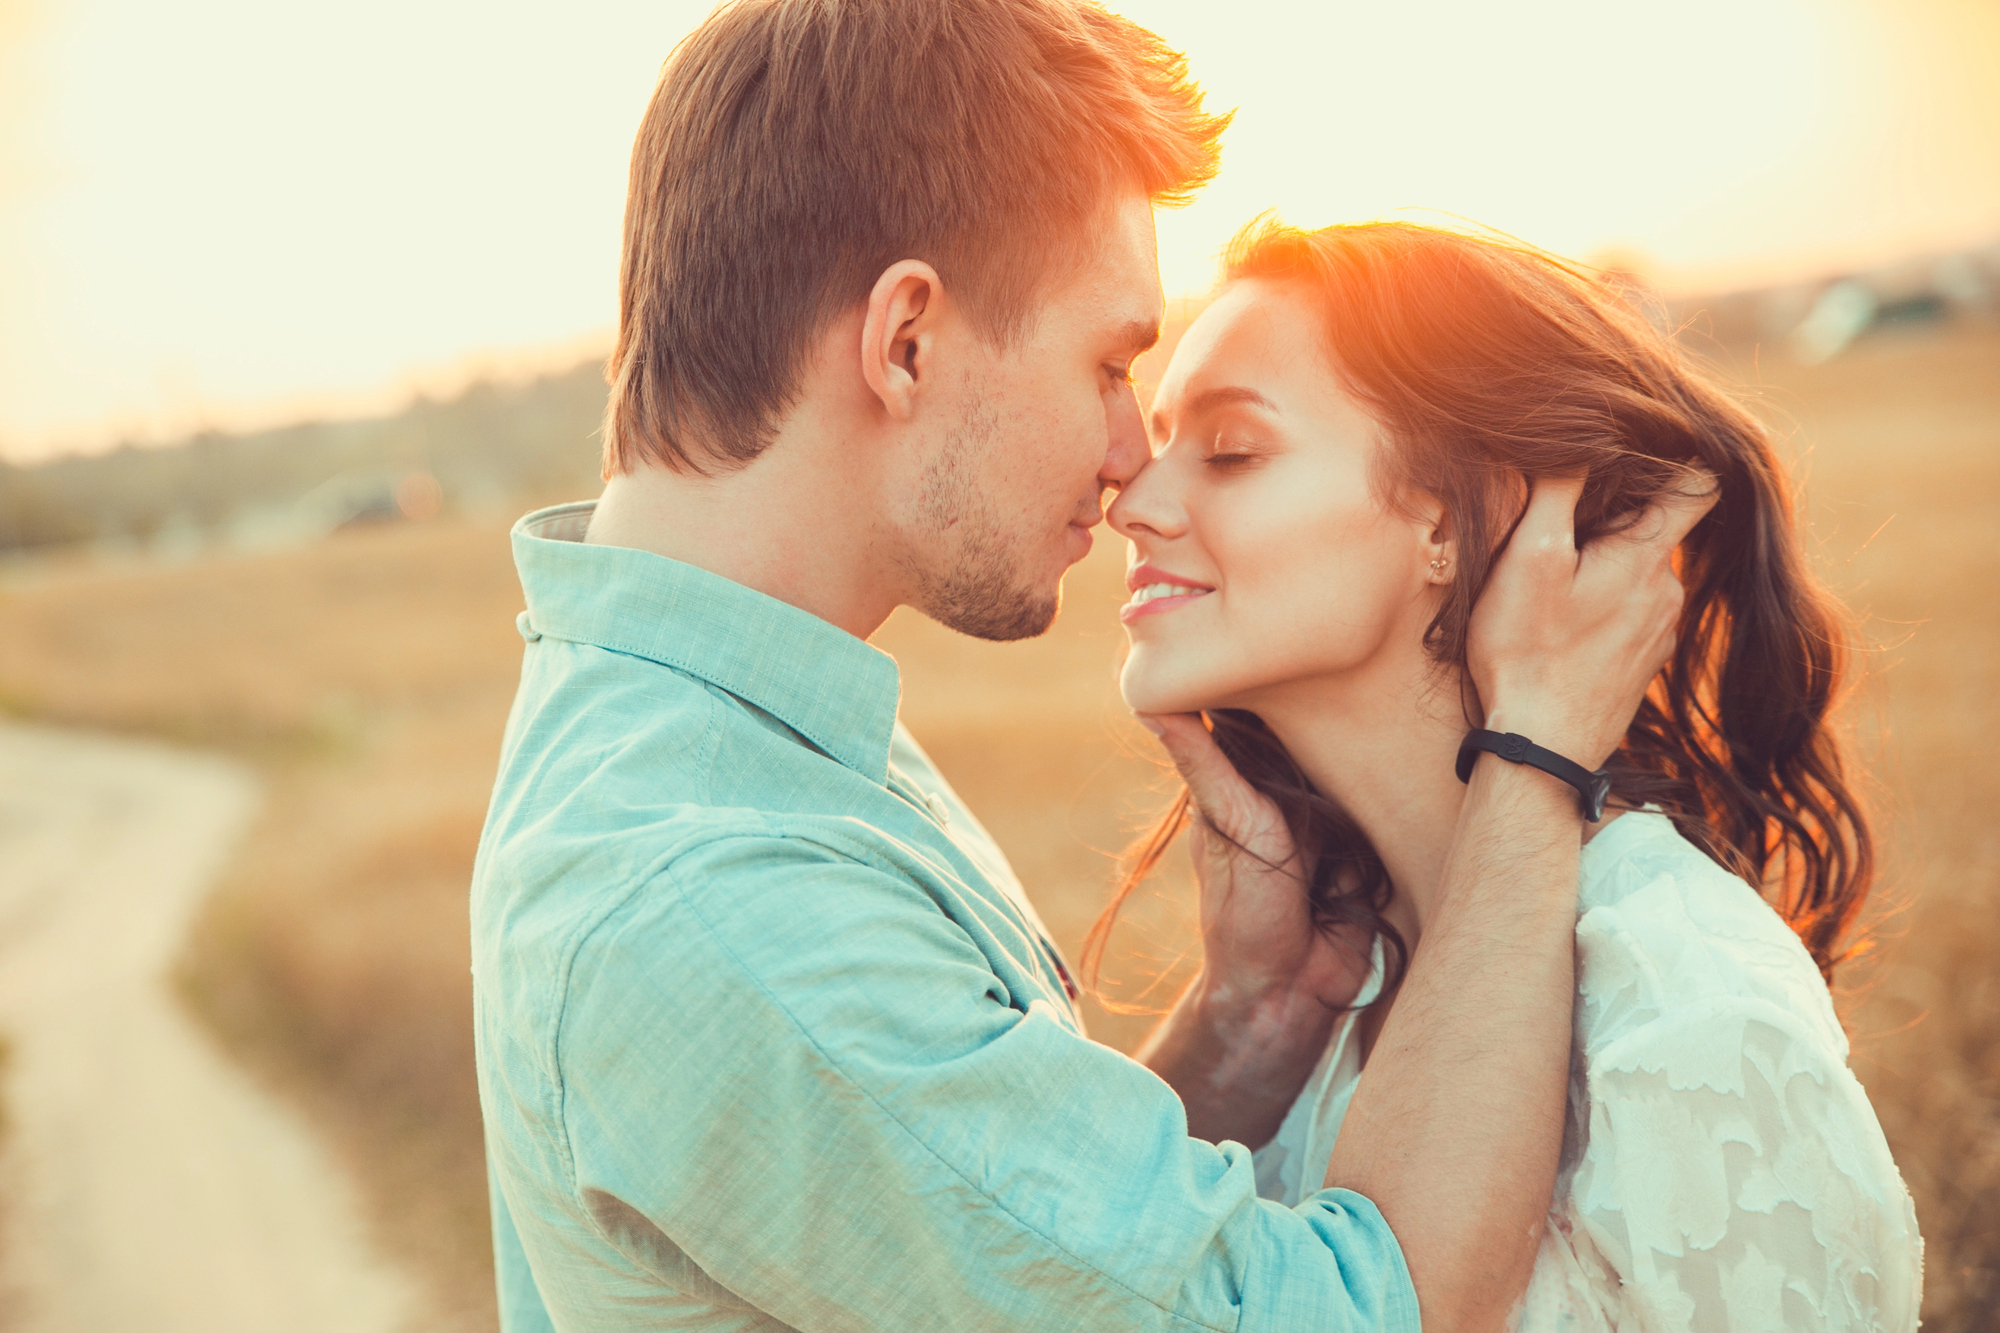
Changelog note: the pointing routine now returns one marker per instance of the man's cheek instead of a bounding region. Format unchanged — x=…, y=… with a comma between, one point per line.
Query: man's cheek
x=1086, y=436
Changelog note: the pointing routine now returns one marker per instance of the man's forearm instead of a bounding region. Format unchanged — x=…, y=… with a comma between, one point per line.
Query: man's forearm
x=1456, y=1125
x=1237, y=1061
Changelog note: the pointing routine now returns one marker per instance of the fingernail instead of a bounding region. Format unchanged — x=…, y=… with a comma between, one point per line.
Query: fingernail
x=1152, y=724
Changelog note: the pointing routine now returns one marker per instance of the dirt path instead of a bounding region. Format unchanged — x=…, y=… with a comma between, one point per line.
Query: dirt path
x=149, y=1184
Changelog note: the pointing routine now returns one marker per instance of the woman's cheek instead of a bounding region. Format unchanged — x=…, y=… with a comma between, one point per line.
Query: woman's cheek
x=1333, y=608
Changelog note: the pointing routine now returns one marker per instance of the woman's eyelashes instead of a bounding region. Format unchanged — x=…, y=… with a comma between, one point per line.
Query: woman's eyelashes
x=1227, y=455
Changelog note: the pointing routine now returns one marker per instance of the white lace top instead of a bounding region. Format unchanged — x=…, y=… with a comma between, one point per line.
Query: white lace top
x=1722, y=1170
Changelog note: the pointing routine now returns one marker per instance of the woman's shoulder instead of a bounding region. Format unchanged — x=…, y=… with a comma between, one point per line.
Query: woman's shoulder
x=1714, y=1087
x=1663, y=932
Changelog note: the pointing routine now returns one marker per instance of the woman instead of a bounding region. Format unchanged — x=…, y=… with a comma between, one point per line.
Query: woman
x=1344, y=440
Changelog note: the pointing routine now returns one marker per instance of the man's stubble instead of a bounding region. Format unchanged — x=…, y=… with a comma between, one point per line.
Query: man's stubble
x=977, y=585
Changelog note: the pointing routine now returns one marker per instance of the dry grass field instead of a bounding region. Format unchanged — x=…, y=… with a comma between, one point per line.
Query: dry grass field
x=369, y=678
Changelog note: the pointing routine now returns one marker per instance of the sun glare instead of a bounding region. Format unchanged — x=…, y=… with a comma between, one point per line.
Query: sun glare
x=226, y=211
x=1719, y=138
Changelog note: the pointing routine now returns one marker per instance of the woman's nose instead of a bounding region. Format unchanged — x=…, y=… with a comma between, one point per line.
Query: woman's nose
x=1148, y=505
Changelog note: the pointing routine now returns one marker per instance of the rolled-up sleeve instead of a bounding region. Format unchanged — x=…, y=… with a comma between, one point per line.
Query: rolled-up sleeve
x=816, y=1088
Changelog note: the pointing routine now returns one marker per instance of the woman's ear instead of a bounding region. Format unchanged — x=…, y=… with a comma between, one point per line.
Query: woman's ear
x=1440, y=544
x=899, y=332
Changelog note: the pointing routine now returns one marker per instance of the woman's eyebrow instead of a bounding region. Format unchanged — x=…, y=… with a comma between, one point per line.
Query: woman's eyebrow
x=1209, y=399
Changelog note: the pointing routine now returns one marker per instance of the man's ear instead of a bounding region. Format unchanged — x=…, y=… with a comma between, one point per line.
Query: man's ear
x=898, y=336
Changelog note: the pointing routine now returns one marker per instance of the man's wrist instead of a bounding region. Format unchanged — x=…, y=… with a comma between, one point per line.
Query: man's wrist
x=1550, y=729
x=1517, y=793
x=1250, y=1014
x=1515, y=816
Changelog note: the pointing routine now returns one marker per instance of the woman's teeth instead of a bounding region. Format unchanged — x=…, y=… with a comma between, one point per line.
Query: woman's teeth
x=1156, y=590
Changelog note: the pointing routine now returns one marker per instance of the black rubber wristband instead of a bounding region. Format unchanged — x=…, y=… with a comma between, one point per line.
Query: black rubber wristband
x=1591, y=788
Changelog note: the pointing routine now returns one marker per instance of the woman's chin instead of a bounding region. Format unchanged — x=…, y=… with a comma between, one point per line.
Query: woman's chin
x=1147, y=691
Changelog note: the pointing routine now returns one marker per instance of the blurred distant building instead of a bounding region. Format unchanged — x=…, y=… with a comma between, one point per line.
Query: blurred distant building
x=1818, y=320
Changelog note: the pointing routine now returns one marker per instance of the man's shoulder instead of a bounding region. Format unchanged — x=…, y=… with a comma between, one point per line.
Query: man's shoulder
x=687, y=879
x=747, y=945
x=680, y=838
x=720, y=919
x=584, y=865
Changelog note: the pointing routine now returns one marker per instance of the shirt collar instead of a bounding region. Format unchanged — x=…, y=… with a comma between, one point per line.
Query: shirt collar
x=830, y=687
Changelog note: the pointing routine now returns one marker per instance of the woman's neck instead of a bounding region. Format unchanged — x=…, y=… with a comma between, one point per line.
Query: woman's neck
x=1383, y=745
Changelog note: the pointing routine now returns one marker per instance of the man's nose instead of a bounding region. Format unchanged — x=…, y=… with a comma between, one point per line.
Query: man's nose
x=1127, y=449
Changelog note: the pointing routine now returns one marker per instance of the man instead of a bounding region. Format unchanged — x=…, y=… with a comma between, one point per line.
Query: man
x=768, y=1034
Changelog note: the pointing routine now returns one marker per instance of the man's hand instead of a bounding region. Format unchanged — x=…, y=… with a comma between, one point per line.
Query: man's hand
x=1245, y=1037
x=1562, y=646
x=1455, y=1130
x=1256, y=927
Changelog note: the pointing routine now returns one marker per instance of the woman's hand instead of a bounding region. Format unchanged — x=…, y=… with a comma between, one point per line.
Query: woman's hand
x=1563, y=644
x=1244, y=1039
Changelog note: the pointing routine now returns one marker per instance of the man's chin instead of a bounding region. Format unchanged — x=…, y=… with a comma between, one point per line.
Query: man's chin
x=995, y=612
x=1005, y=622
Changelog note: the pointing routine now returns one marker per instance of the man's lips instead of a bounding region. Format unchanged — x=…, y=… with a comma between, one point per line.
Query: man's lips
x=1155, y=592
x=1084, y=518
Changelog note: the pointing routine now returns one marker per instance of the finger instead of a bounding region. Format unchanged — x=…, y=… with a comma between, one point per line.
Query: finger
x=1212, y=780
x=1680, y=509
x=1550, y=518
x=1667, y=519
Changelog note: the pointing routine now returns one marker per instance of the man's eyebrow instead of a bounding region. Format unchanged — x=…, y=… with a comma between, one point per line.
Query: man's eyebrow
x=1140, y=335
x=1210, y=399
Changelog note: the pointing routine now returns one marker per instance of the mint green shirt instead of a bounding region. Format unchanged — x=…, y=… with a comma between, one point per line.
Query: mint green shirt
x=769, y=1036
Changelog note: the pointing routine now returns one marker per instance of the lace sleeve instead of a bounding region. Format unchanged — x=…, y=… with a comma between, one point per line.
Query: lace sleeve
x=1736, y=1179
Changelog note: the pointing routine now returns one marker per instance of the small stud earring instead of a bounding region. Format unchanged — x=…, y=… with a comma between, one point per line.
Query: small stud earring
x=1438, y=568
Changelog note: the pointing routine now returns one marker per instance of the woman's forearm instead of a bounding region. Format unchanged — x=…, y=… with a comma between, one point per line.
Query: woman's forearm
x=1456, y=1126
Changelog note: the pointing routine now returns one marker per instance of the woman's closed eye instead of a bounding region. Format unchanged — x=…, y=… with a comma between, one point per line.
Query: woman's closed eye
x=1230, y=457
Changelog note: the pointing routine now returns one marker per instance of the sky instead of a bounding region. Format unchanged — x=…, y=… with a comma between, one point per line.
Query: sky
x=230, y=213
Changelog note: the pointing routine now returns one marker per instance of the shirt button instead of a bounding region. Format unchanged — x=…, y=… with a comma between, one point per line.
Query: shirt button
x=939, y=810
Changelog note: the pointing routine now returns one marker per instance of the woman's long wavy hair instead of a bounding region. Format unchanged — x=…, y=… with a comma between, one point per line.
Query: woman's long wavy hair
x=1488, y=365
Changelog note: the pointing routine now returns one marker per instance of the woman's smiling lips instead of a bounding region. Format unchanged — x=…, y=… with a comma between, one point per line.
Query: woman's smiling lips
x=1155, y=592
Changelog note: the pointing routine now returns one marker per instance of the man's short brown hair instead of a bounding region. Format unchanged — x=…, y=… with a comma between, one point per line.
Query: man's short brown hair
x=795, y=149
